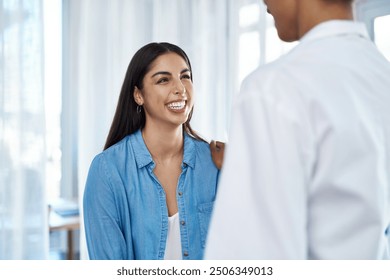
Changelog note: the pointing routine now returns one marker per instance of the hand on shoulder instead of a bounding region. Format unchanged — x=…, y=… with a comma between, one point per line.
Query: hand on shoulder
x=217, y=153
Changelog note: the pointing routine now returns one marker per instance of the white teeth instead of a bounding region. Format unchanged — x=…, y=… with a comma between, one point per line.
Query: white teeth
x=176, y=105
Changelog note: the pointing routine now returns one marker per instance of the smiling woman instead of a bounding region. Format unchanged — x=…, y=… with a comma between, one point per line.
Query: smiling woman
x=141, y=72
x=167, y=93
x=150, y=193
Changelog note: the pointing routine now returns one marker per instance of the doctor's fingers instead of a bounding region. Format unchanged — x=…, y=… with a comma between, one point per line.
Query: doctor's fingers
x=217, y=149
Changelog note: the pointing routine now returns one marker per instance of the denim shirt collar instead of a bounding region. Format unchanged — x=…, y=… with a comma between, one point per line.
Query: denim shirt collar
x=144, y=158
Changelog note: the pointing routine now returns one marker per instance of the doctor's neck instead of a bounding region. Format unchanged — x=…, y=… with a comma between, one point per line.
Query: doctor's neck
x=313, y=12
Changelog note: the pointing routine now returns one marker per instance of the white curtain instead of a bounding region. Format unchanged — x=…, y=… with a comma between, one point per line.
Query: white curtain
x=101, y=36
x=23, y=215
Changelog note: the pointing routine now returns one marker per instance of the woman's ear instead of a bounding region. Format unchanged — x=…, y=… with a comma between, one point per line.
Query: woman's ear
x=138, y=96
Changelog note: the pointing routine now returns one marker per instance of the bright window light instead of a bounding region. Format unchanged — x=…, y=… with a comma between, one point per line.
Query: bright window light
x=249, y=15
x=52, y=79
x=382, y=34
x=249, y=53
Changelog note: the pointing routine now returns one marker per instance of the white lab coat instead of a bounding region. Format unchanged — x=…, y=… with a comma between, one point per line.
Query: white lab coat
x=307, y=167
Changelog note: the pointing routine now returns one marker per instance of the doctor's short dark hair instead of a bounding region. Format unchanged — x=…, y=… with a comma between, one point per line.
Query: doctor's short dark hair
x=126, y=119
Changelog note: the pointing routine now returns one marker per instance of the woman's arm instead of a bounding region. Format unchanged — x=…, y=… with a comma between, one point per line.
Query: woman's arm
x=105, y=239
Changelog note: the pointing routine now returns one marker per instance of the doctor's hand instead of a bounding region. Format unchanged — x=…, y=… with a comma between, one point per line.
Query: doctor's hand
x=217, y=152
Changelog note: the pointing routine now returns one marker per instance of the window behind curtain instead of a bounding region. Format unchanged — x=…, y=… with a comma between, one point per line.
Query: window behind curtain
x=258, y=39
x=23, y=213
x=382, y=34
x=52, y=28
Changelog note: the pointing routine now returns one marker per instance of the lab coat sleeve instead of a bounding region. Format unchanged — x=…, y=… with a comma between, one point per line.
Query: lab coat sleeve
x=260, y=208
x=101, y=218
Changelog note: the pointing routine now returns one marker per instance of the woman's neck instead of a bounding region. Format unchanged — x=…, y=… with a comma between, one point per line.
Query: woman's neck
x=163, y=144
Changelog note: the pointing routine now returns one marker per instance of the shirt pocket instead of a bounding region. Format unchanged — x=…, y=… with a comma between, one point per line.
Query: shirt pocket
x=204, y=215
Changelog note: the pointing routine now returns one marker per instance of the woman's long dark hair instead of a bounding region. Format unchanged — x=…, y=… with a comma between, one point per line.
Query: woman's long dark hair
x=126, y=119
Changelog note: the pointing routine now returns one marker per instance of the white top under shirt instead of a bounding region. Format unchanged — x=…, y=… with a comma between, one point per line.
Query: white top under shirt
x=173, y=246
x=306, y=171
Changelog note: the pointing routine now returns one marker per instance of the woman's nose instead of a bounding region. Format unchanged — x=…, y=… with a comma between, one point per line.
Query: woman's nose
x=180, y=88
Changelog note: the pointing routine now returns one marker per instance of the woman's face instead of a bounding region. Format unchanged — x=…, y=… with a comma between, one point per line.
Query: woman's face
x=285, y=14
x=167, y=91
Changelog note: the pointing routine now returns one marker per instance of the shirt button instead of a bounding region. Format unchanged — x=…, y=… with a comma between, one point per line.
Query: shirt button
x=185, y=164
x=185, y=254
x=183, y=223
x=180, y=193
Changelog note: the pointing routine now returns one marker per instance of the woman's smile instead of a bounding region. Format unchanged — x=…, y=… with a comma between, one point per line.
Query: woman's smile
x=177, y=106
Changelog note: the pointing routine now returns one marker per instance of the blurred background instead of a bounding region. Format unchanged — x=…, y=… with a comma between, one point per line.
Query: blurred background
x=62, y=64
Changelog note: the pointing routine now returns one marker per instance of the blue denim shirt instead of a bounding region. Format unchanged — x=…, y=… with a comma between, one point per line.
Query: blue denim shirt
x=125, y=210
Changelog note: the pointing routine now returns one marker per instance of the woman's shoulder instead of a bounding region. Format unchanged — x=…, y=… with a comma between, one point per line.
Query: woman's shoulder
x=201, y=146
x=202, y=153
x=113, y=161
x=118, y=146
x=115, y=153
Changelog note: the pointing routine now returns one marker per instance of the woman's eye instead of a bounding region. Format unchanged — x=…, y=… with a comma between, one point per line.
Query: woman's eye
x=162, y=80
x=186, y=76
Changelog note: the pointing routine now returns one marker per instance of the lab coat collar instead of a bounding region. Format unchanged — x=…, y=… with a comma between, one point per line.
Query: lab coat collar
x=336, y=28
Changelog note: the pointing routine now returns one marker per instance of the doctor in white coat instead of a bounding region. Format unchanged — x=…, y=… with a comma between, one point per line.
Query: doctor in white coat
x=306, y=173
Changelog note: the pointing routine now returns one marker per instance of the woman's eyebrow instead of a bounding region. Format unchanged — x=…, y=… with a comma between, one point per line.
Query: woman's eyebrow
x=168, y=73
x=161, y=73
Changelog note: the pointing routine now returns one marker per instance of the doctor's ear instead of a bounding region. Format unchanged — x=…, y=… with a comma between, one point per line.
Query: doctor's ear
x=138, y=96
